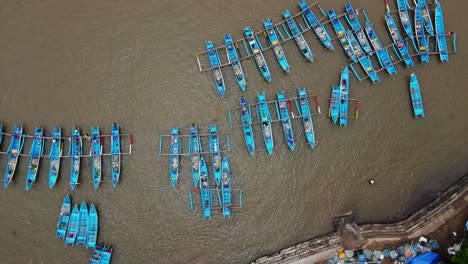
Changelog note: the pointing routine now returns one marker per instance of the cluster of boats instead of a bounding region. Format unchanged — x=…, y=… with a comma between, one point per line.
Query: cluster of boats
x=339, y=100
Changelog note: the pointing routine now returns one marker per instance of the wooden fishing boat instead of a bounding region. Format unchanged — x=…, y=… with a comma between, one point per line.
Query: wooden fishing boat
x=416, y=98
x=215, y=65
x=283, y=116
x=215, y=153
x=421, y=39
x=54, y=156
x=344, y=94
x=335, y=103
x=72, y=229
x=115, y=154
x=426, y=15
x=97, y=254
x=76, y=151
x=397, y=40
x=440, y=34
x=257, y=53
x=37, y=149
x=1, y=133
x=363, y=59
x=382, y=53
x=353, y=21
x=194, y=152
x=405, y=18
x=297, y=35
x=315, y=25
x=342, y=35
x=96, y=153
x=306, y=117
x=205, y=190
x=246, y=117
x=64, y=217
x=92, y=231
x=82, y=224
x=226, y=188
x=275, y=45
x=106, y=255
x=263, y=114
x=175, y=156
x=234, y=60
x=16, y=145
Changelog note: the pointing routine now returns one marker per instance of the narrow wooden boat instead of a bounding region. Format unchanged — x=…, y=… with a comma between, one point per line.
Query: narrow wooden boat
x=194, y=152
x=92, y=231
x=353, y=21
x=175, y=156
x=76, y=151
x=82, y=224
x=215, y=153
x=257, y=53
x=344, y=94
x=263, y=114
x=106, y=255
x=426, y=15
x=72, y=226
x=64, y=217
x=335, y=103
x=115, y=154
x=234, y=60
x=405, y=18
x=342, y=35
x=37, y=149
x=297, y=35
x=421, y=38
x=315, y=25
x=440, y=34
x=246, y=117
x=416, y=98
x=363, y=59
x=382, y=54
x=16, y=145
x=205, y=190
x=54, y=156
x=215, y=65
x=306, y=117
x=283, y=115
x=96, y=256
x=275, y=45
x=398, y=41
x=96, y=153
x=226, y=188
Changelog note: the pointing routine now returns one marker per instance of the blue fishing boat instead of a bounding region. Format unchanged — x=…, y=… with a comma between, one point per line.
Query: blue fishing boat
x=335, y=103
x=405, y=18
x=215, y=153
x=342, y=35
x=106, y=255
x=92, y=231
x=246, y=117
x=353, y=21
x=226, y=188
x=283, y=115
x=344, y=94
x=234, y=60
x=76, y=151
x=397, y=40
x=215, y=64
x=421, y=39
x=313, y=23
x=205, y=190
x=82, y=224
x=64, y=217
x=257, y=53
x=54, y=156
x=37, y=149
x=275, y=45
x=175, y=156
x=96, y=152
x=194, y=152
x=416, y=98
x=97, y=254
x=306, y=117
x=16, y=145
x=1, y=133
x=363, y=59
x=263, y=114
x=440, y=34
x=382, y=53
x=297, y=35
x=426, y=16
x=72, y=229
x=115, y=154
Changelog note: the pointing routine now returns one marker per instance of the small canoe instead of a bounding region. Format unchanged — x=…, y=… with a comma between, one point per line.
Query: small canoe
x=398, y=41
x=76, y=151
x=106, y=255
x=263, y=114
x=382, y=54
x=246, y=117
x=275, y=45
x=421, y=39
x=82, y=224
x=440, y=31
x=194, y=152
x=64, y=217
x=363, y=59
x=335, y=103
x=234, y=60
x=72, y=226
x=175, y=156
x=342, y=35
x=283, y=115
x=297, y=35
x=405, y=18
x=257, y=53
x=205, y=190
x=37, y=149
x=313, y=23
x=344, y=93
x=92, y=231
x=96, y=153
x=306, y=117
x=426, y=16
x=215, y=65
x=215, y=153
x=226, y=188
x=16, y=145
x=54, y=156
x=115, y=154
x=416, y=98
x=353, y=21
x=97, y=254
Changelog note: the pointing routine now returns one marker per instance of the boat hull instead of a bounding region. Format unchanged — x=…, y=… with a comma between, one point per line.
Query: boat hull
x=226, y=188
x=382, y=54
x=205, y=190
x=275, y=45
x=235, y=63
x=440, y=34
x=215, y=65
x=215, y=154
x=54, y=156
x=82, y=224
x=115, y=157
x=335, y=104
x=174, y=159
x=315, y=25
x=92, y=231
x=194, y=152
x=416, y=99
x=398, y=41
x=72, y=229
x=246, y=118
x=76, y=147
x=342, y=35
x=257, y=53
x=16, y=145
x=265, y=119
x=306, y=117
x=421, y=39
x=64, y=217
x=283, y=115
x=344, y=94
x=35, y=154
x=96, y=158
x=298, y=37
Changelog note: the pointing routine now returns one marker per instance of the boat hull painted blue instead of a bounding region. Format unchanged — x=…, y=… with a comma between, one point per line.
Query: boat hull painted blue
x=16, y=145
x=315, y=25
x=275, y=45
x=382, y=54
x=115, y=154
x=353, y=21
x=342, y=35
x=421, y=39
x=405, y=18
x=96, y=160
x=215, y=153
x=297, y=35
x=215, y=64
x=235, y=63
x=54, y=156
x=76, y=147
x=257, y=53
x=35, y=154
x=226, y=188
x=306, y=117
x=265, y=120
x=82, y=224
x=246, y=118
x=440, y=34
x=416, y=98
x=283, y=115
x=64, y=217
x=363, y=59
x=398, y=41
x=344, y=95
x=174, y=159
x=92, y=231
x=72, y=229
x=335, y=103
x=194, y=152
x=205, y=190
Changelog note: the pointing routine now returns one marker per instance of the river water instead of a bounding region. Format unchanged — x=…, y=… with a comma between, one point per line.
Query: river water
x=91, y=63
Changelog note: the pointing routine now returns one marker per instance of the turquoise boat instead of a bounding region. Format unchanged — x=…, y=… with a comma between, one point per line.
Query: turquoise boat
x=215, y=153
x=314, y=24
x=16, y=145
x=115, y=154
x=335, y=103
x=398, y=41
x=175, y=156
x=275, y=45
x=37, y=149
x=246, y=117
x=82, y=224
x=215, y=65
x=96, y=153
x=54, y=156
x=416, y=98
x=194, y=152
x=106, y=255
x=92, y=231
x=440, y=34
x=344, y=94
x=97, y=254
x=76, y=151
x=421, y=39
x=263, y=115
x=297, y=35
x=342, y=35
x=64, y=217
x=283, y=115
x=257, y=53
x=363, y=59
x=234, y=60
x=405, y=18
x=353, y=21
x=226, y=188
x=72, y=226
x=1, y=133
x=426, y=16
x=205, y=190
x=382, y=53
x=306, y=117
